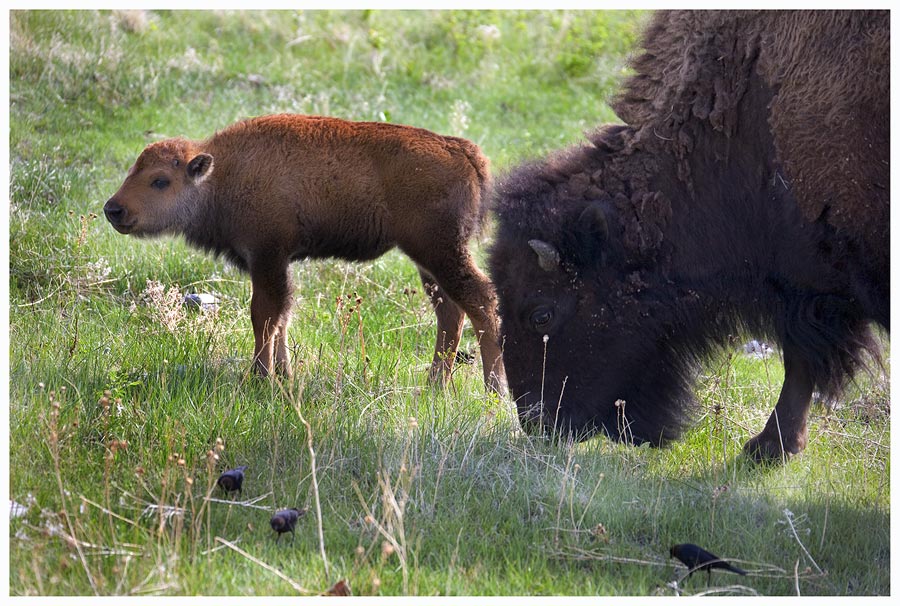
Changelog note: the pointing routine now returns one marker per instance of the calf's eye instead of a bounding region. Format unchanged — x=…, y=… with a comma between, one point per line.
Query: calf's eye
x=160, y=183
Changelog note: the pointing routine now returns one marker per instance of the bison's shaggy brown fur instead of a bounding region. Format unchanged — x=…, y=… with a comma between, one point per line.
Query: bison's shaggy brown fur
x=748, y=190
x=275, y=189
x=830, y=72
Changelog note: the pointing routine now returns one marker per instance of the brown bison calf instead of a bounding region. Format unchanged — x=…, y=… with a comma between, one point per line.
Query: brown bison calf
x=275, y=189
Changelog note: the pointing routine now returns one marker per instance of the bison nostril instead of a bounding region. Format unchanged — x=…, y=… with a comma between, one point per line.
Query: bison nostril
x=113, y=211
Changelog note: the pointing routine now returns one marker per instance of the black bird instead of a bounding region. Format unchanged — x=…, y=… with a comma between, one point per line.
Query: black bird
x=232, y=479
x=697, y=558
x=285, y=520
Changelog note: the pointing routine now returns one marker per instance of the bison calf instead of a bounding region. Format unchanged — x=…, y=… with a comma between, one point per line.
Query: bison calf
x=275, y=189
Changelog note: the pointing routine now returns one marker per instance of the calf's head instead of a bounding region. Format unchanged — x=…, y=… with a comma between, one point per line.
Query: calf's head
x=161, y=189
x=584, y=328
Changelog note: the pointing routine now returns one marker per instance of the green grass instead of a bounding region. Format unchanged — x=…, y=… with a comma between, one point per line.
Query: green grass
x=420, y=491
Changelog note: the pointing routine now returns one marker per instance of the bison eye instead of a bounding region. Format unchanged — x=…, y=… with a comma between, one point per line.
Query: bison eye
x=160, y=183
x=541, y=318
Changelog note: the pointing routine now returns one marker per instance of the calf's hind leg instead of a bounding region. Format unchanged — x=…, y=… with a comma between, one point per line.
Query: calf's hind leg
x=450, y=320
x=270, y=307
x=459, y=277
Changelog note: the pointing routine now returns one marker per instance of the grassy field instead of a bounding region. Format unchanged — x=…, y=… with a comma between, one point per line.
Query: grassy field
x=125, y=405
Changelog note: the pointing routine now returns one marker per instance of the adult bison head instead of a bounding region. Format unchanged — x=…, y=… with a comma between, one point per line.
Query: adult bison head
x=585, y=320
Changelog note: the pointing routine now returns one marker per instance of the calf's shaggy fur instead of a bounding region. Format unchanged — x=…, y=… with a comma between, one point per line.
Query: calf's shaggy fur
x=275, y=189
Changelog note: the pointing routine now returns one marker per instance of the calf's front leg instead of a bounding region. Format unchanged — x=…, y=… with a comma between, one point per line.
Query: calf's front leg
x=270, y=307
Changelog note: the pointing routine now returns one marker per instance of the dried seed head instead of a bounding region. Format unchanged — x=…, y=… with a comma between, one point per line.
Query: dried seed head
x=360, y=551
x=387, y=550
x=369, y=519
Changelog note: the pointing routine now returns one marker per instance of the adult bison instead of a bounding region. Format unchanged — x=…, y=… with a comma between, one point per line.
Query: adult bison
x=747, y=190
x=275, y=189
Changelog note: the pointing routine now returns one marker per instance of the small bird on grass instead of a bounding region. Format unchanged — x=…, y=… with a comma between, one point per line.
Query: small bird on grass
x=232, y=480
x=285, y=520
x=697, y=558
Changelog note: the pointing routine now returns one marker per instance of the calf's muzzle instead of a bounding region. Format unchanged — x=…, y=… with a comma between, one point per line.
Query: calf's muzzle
x=116, y=215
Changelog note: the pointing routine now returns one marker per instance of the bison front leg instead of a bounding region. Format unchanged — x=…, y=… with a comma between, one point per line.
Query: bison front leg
x=450, y=320
x=785, y=432
x=270, y=308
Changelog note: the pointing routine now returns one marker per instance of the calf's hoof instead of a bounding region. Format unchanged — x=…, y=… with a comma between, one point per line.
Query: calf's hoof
x=497, y=384
x=285, y=370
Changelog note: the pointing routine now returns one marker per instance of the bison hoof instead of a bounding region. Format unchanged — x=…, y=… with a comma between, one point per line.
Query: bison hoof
x=770, y=450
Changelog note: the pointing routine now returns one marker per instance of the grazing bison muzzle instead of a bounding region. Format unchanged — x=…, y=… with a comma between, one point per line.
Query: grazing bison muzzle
x=748, y=190
x=275, y=189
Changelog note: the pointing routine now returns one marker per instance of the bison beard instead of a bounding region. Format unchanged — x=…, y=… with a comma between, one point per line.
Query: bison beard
x=620, y=265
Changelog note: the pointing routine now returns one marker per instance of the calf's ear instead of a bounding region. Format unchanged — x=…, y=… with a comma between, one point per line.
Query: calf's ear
x=200, y=167
x=593, y=231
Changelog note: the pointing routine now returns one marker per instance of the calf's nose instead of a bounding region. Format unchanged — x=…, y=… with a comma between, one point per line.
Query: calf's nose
x=114, y=211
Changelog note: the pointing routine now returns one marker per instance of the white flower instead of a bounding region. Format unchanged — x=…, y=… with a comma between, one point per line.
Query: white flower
x=489, y=32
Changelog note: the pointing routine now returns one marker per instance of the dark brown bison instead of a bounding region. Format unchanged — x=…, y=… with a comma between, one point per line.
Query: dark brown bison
x=276, y=189
x=748, y=190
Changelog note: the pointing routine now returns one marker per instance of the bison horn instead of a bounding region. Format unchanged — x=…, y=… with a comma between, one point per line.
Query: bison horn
x=548, y=257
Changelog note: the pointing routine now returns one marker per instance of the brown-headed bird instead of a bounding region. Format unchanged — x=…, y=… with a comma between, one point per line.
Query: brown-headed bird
x=285, y=520
x=697, y=558
x=232, y=480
